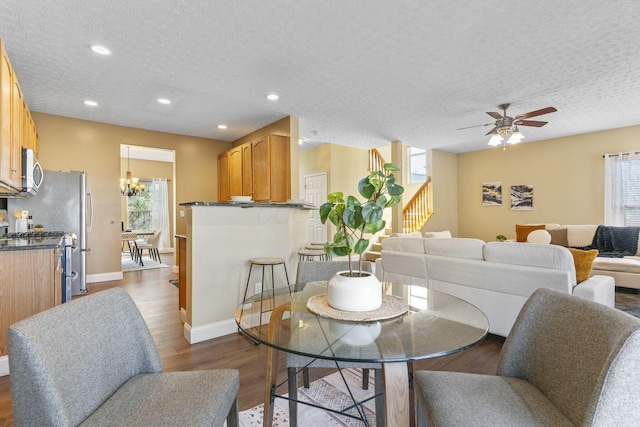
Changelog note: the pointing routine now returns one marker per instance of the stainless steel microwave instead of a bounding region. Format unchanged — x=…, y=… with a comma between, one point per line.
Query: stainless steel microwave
x=32, y=174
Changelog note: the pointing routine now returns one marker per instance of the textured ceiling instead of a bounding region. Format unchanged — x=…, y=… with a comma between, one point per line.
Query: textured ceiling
x=357, y=72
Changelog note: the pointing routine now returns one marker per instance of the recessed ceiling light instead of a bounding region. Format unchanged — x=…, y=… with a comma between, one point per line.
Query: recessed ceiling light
x=164, y=101
x=90, y=103
x=272, y=97
x=222, y=126
x=101, y=50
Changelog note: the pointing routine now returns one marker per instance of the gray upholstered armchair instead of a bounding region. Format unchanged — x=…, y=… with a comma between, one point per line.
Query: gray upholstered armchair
x=566, y=362
x=92, y=361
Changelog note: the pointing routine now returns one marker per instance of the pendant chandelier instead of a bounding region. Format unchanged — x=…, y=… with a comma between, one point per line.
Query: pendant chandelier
x=129, y=186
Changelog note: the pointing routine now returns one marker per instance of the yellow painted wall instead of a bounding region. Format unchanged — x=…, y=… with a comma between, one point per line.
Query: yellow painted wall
x=567, y=175
x=72, y=144
x=444, y=182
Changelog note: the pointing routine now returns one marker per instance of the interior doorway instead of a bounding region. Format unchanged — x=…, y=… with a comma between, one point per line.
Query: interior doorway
x=154, y=207
x=315, y=190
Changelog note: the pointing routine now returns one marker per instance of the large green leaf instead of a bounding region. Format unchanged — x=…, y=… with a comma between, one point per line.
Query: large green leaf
x=335, y=217
x=392, y=201
x=371, y=212
x=365, y=188
x=339, y=250
x=361, y=246
x=352, y=216
x=382, y=201
x=352, y=201
x=375, y=227
x=336, y=197
x=325, y=209
x=390, y=167
x=393, y=188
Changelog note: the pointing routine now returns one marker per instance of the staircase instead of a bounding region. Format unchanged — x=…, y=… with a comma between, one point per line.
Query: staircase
x=415, y=214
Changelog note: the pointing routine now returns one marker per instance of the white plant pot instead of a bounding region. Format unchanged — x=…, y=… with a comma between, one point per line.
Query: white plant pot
x=354, y=293
x=356, y=334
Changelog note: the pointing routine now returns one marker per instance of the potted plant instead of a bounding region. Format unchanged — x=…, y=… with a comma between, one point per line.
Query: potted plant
x=501, y=237
x=353, y=219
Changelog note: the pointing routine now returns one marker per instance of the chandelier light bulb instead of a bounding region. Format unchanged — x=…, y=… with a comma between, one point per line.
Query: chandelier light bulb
x=495, y=140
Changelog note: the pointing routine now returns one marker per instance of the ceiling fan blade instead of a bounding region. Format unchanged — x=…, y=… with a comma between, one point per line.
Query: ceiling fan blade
x=491, y=131
x=534, y=123
x=495, y=115
x=536, y=113
x=476, y=126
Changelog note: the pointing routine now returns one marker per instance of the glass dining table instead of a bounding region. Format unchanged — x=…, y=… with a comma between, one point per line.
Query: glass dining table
x=422, y=324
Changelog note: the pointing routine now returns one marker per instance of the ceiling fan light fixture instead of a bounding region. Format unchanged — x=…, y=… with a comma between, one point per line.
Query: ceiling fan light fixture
x=496, y=139
x=515, y=137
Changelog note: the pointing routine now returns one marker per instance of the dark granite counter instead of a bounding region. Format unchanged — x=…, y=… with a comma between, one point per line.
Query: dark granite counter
x=303, y=206
x=30, y=243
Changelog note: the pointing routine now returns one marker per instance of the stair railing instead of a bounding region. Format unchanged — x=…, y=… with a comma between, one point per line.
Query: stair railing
x=418, y=210
x=376, y=161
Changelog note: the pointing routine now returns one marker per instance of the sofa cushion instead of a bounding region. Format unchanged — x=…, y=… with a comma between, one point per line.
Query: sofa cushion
x=415, y=235
x=583, y=261
x=539, y=236
x=455, y=247
x=404, y=244
x=523, y=230
x=438, y=234
x=580, y=235
x=559, y=236
x=627, y=264
x=531, y=254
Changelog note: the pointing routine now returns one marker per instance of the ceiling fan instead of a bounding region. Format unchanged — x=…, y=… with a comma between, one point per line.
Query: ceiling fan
x=505, y=128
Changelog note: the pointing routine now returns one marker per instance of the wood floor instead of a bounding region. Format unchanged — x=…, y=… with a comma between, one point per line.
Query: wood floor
x=157, y=299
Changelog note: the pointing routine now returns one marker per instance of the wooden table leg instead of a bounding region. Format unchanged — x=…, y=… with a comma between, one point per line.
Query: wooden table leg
x=270, y=382
x=396, y=394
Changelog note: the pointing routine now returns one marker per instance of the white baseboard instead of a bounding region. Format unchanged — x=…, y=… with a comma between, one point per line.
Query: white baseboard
x=104, y=277
x=209, y=331
x=4, y=366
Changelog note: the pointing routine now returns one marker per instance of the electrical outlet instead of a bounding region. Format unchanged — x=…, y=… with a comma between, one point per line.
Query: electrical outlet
x=257, y=288
x=181, y=213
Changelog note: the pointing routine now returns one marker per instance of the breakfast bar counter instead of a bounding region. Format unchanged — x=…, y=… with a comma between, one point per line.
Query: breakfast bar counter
x=221, y=238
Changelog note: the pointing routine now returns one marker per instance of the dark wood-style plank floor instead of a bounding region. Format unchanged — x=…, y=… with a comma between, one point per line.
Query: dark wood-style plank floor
x=157, y=299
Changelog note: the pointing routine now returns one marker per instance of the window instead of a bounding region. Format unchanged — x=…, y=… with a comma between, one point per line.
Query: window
x=622, y=189
x=139, y=209
x=417, y=165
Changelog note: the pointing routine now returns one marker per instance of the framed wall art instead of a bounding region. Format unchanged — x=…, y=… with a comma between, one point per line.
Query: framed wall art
x=492, y=193
x=522, y=197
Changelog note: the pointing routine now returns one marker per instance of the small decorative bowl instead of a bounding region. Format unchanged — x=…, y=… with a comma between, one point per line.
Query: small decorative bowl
x=241, y=199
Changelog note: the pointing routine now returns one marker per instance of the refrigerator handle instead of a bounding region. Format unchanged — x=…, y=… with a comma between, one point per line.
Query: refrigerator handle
x=90, y=209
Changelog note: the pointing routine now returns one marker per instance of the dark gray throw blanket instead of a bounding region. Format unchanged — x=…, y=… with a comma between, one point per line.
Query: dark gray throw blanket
x=615, y=242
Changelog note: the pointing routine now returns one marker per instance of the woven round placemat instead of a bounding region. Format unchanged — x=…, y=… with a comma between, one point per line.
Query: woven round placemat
x=391, y=307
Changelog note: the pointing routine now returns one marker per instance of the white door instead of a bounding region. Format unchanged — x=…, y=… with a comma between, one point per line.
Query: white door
x=315, y=187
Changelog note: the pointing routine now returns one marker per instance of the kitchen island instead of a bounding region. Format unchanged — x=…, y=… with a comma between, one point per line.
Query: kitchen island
x=221, y=238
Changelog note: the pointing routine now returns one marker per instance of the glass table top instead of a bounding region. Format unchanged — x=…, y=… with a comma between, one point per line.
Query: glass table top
x=436, y=324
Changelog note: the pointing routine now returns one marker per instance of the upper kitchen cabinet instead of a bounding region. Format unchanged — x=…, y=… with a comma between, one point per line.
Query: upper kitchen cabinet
x=270, y=169
x=17, y=129
x=259, y=168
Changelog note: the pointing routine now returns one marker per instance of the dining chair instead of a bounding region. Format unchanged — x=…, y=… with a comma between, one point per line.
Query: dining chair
x=93, y=361
x=150, y=243
x=567, y=361
x=313, y=271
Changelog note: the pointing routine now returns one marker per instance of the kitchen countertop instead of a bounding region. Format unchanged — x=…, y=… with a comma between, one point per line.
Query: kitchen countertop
x=291, y=205
x=29, y=243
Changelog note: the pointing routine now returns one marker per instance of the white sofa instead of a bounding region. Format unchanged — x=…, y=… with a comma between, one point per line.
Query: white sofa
x=497, y=277
x=625, y=271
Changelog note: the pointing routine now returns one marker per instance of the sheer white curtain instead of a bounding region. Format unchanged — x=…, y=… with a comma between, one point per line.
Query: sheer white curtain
x=160, y=211
x=618, y=175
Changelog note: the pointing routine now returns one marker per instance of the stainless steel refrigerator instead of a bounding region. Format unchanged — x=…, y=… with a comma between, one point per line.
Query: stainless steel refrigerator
x=63, y=203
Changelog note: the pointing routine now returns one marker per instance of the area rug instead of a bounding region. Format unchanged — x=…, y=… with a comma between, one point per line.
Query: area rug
x=130, y=265
x=330, y=392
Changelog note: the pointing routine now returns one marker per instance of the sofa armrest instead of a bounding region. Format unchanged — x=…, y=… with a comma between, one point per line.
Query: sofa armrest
x=379, y=270
x=597, y=288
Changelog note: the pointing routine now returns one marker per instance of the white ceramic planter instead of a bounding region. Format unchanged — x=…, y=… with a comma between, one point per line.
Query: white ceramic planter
x=356, y=334
x=354, y=293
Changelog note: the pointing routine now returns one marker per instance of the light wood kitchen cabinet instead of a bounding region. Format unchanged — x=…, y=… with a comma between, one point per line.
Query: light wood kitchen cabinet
x=235, y=171
x=17, y=128
x=247, y=176
x=270, y=169
x=259, y=168
x=30, y=282
x=223, y=177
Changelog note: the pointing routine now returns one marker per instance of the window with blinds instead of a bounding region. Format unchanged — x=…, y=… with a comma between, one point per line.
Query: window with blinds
x=631, y=192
